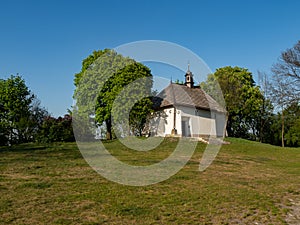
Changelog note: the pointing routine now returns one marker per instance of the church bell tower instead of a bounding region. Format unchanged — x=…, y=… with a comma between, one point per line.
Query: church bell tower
x=189, y=81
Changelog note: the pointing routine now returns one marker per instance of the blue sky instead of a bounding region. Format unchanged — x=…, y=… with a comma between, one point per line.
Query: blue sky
x=46, y=41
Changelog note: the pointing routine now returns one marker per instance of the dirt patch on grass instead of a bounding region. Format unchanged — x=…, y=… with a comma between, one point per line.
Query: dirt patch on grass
x=293, y=215
x=19, y=176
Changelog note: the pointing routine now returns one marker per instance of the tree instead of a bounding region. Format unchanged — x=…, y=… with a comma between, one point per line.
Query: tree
x=266, y=112
x=242, y=97
x=103, y=76
x=96, y=71
x=292, y=128
x=286, y=82
x=114, y=87
x=293, y=134
x=281, y=97
x=21, y=114
x=31, y=126
x=288, y=69
x=15, y=110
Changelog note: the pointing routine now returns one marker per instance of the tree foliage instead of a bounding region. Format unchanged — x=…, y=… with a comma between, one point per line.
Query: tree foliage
x=242, y=97
x=56, y=129
x=122, y=89
x=22, y=119
x=87, y=62
x=103, y=76
x=293, y=134
x=292, y=125
x=20, y=112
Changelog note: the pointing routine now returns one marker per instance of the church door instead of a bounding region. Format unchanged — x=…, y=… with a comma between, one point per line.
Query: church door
x=185, y=127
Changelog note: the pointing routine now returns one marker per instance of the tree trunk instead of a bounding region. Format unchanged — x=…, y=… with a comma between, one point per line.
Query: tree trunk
x=228, y=126
x=262, y=122
x=108, y=129
x=225, y=133
x=282, y=129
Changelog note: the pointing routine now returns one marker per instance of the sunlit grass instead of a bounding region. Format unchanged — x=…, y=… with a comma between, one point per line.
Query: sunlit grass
x=247, y=183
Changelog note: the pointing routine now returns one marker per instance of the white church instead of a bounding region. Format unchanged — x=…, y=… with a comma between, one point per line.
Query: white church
x=185, y=110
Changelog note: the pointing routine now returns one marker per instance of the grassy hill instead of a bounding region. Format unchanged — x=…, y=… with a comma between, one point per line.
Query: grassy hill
x=248, y=183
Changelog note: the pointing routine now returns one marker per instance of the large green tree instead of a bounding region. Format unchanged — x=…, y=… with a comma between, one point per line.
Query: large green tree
x=242, y=97
x=126, y=107
x=103, y=76
x=20, y=112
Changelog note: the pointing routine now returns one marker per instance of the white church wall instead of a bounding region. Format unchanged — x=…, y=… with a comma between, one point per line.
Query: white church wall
x=201, y=122
x=169, y=121
x=164, y=126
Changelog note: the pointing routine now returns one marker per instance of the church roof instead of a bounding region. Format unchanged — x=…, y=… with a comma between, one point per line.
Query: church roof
x=176, y=94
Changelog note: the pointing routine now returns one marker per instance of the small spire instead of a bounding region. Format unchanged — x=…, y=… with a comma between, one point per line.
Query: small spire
x=189, y=82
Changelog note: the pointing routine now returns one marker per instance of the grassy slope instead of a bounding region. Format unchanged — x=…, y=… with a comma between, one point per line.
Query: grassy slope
x=247, y=183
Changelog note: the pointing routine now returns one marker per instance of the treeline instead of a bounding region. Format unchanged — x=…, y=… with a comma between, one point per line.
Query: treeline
x=22, y=119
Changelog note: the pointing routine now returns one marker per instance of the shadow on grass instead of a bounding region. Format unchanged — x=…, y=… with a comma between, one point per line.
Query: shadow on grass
x=23, y=147
x=40, y=147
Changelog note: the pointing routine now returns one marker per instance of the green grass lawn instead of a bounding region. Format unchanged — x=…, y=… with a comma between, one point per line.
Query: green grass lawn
x=248, y=183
